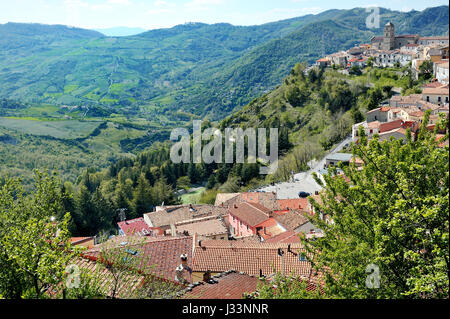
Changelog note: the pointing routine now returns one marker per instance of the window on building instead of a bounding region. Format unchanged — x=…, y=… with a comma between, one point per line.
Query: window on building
x=439, y=99
x=428, y=99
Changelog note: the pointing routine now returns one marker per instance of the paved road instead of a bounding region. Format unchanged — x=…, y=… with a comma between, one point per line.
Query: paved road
x=304, y=180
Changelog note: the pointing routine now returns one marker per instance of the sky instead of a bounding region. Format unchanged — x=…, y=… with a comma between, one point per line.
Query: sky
x=154, y=14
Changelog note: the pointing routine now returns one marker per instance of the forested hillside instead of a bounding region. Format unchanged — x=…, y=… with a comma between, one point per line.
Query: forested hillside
x=189, y=70
x=313, y=111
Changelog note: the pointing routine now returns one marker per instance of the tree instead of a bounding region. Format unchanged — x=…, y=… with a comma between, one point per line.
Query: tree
x=356, y=115
x=375, y=96
x=426, y=70
x=391, y=217
x=285, y=287
x=355, y=70
x=142, y=197
x=184, y=182
x=34, y=245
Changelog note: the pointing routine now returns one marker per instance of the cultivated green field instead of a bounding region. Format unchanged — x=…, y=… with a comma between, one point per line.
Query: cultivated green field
x=70, y=129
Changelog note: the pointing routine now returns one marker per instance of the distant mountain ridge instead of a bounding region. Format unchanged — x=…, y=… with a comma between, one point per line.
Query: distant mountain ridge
x=120, y=31
x=189, y=70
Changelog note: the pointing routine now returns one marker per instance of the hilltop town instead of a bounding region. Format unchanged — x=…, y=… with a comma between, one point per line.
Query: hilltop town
x=224, y=250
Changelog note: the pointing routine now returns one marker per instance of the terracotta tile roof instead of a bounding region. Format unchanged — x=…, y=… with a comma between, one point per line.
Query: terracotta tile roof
x=127, y=283
x=222, y=198
x=443, y=90
x=250, y=258
x=230, y=285
x=251, y=213
x=407, y=36
x=397, y=130
x=374, y=124
x=388, y=126
x=173, y=215
x=270, y=228
x=434, y=38
x=288, y=237
x=161, y=252
x=292, y=219
x=297, y=203
x=136, y=226
x=203, y=226
x=266, y=199
x=417, y=113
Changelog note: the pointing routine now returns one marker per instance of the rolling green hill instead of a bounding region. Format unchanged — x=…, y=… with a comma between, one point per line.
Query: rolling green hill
x=188, y=70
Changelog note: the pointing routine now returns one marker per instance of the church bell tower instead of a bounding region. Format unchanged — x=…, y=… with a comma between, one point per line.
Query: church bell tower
x=389, y=37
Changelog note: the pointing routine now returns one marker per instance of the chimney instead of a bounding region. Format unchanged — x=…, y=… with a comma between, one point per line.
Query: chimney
x=207, y=276
x=173, y=230
x=265, y=231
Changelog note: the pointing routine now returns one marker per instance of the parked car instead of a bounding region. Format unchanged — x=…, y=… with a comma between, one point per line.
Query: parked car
x=303, y=194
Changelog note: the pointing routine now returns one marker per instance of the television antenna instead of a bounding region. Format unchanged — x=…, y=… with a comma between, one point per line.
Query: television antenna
x=122, y=214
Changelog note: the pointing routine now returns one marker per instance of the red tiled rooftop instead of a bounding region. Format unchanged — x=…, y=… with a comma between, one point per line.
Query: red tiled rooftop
x=135, y=226
x=296, y=203
x=288, y=237
x=389, y=126
x=251, y=213
x=161, y=252
x=248, y=257
x=292, y=219
x=231, y=285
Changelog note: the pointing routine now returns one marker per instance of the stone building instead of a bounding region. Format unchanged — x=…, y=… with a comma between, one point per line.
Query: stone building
x=389, y=41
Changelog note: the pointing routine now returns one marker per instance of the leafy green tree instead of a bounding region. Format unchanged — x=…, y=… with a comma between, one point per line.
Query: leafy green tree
x=184, y=182
x=34, y=245
x=426, y=70
x=285, y=287
x=142, y=198
x=375, y=97
x=391, y=217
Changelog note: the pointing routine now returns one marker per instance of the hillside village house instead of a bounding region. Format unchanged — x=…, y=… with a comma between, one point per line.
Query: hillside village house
x=437, y=95
x=168, y=216
x=440, y=71
x=247, y=219
x=434, y=40
x=138, y=227
x=211, y=227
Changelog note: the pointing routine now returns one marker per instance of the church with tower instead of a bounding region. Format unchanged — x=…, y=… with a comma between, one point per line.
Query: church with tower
x=389, y=41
